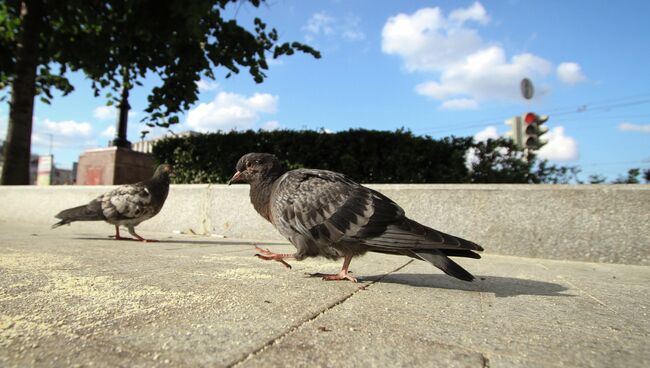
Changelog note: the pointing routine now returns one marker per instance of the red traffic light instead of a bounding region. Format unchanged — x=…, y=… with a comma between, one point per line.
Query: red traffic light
x=530, y=118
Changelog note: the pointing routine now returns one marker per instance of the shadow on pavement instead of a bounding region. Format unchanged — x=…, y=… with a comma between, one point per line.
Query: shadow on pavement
x=499, y=286
x=215, y=242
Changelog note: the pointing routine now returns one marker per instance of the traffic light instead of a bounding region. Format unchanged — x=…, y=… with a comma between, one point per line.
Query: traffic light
x=533, y=130
x=516, y=131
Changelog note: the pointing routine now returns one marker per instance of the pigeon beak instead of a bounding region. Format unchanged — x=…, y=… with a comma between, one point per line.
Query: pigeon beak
x=235, y=178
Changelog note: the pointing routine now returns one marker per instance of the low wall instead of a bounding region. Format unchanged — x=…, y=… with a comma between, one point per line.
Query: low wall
x=601, y=223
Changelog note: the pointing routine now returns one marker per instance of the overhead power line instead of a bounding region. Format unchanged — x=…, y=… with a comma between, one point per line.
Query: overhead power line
x=586, y=108
x=621, y=163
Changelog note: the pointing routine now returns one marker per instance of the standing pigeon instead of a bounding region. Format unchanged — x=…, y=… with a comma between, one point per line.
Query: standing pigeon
x=127, y=205
x=324, y=213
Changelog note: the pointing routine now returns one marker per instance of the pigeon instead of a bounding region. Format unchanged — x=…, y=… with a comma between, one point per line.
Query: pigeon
x=127, y=205
x=325, y=213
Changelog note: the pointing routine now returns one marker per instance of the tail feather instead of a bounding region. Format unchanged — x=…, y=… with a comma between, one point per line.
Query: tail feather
x=60, y=223
x=460, y=253
x=438, y=236
x=88, y=212
x=444, y=263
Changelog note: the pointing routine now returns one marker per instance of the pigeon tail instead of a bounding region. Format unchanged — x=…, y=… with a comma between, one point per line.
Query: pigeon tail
x=445, y=241
x=444, y=263
x=80, y=213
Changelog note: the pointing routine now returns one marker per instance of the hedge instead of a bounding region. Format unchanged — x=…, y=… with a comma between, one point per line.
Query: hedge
x=368, y=156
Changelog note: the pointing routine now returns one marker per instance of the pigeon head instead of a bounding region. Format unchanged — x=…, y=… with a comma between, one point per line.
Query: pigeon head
x=163, y=171
x=257, y=167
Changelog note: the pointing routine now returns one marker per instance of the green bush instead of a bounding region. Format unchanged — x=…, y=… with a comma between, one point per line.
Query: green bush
x=367, y=156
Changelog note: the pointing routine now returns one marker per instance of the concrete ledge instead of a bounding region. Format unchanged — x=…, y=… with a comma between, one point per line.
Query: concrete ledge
x=601, y=223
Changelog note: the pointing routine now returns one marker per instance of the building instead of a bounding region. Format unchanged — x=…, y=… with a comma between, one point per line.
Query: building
x=147, y=146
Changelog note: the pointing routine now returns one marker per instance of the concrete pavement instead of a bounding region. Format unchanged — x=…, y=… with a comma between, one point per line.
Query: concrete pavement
x=73, y=297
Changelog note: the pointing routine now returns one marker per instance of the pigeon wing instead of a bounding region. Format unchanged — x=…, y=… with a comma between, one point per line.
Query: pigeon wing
x=329, y=208
x=323, y=208
x=127, y=202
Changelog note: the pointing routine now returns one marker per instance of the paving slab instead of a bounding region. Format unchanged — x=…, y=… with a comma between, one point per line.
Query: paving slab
x=520, y=312
x=73, y=297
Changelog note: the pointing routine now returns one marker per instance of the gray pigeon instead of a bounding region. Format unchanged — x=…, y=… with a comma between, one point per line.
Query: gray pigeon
x=127, y=205
x=324, y=213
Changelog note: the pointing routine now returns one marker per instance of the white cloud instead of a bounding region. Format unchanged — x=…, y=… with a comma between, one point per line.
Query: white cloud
x=467, y=67
x=105, y=112
x=459, y=104
x=109, y=112
x=231, y=111
x=476, y=12
x=323, y=24
x=570, y=73
x=67, y=128
x=263, y=102
x=427, y=41
x=560, y=147
x=471, y=158
x=485, y=134
x=206, y=85
x=66, y=133
x=320, y=23
x=485, y=75
x=350, y=28
x=629, y=127
x=109, y=132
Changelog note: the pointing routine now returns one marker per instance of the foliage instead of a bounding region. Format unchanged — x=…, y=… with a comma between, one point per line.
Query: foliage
x=631, y=178
x=498, y=161
x=596, y=179
x=180, y=43
x=61, y=21
x=116, y=43
x=366, y=156
x=554, y=174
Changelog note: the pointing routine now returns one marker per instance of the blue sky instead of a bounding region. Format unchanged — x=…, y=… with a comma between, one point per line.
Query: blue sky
x=434, y=67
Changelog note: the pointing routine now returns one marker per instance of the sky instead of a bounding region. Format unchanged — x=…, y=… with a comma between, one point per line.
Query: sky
x=437, y=68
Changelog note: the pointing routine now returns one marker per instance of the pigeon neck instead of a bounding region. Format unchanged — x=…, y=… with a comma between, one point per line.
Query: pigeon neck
x=260, y=194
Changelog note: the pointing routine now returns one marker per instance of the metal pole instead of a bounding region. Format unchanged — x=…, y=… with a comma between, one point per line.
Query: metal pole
x=123, y=116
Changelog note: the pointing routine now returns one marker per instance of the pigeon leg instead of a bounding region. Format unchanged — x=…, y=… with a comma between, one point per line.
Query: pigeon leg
x=117, y=234
x=267, y=255
x=343, y=275
x=132, y=232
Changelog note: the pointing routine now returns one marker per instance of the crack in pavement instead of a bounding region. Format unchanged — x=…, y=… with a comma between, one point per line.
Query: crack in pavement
x=299, y=324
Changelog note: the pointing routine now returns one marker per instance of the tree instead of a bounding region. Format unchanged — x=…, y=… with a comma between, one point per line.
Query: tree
x=116, y=43
x=180, y=43
x=17, y=148
x=596, y=179
x=553, y=174
x=30, y=45
x=631, y=178
x=498, y=161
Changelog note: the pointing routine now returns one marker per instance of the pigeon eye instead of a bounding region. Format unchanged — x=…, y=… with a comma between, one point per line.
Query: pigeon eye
x=248, y=164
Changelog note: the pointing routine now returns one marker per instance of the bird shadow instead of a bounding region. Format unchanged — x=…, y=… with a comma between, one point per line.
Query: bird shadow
x=172, y=241
x=501, y=287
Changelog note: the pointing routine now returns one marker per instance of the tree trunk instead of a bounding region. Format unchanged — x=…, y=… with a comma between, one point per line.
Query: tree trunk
x=15, y=170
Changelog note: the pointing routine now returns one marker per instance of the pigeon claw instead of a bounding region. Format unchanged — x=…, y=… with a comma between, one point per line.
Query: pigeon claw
x=267, y=255
x=334, y=277
x=120, y=238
